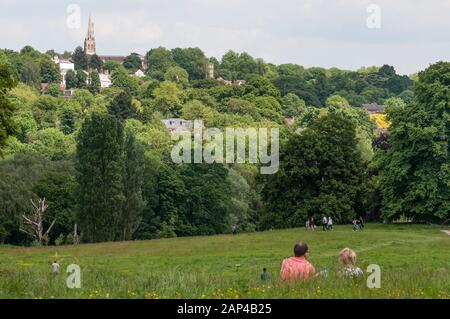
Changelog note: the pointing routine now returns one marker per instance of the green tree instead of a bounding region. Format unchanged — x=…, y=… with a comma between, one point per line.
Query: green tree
x=82, y=79
x=159, y=60
x=177, y=75
x=132, y=62
x=415, y=170
x=321, y=173
x=58, y=188
x=53, y=90
x=261, y=86
x=168, y=98
x=95, y=62
x=122, y=107
x=193, y=60
x=133, y=204
x=49, y=71
x=7, y=125
x=94, y=82
x=100, y=165
x=80, y=59
x=292, y=105
x=122, y=80
x=110, y=65
x=71, y=80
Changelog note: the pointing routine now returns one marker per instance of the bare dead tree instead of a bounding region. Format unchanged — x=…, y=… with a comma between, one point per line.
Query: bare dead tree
x=33, y=225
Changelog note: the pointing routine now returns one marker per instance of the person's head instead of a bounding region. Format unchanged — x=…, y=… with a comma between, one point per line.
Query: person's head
x=55, y=261
x=347, y=257
x=264, y=269
x=301, y=250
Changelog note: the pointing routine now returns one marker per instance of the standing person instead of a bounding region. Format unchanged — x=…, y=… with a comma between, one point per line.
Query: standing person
x=234, y=229
x=312, y=225
x=355, y=225
x=324, y=223
x=297, y=267
x=307, y=224
x=55, y=267
x=361, y=223
x=330, y=223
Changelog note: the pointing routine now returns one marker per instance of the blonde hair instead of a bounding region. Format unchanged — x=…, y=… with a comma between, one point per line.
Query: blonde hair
x=347, y=256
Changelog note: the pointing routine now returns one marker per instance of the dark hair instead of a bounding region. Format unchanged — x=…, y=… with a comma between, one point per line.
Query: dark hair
x=264, y=269
x=300, y=249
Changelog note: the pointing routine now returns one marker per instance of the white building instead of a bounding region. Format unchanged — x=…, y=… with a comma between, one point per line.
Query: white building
x=139, y=73
x=64, y=67
x=105, y=80
x=174, y=124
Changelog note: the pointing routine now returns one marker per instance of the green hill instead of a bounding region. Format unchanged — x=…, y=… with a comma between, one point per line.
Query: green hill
x=414, y=263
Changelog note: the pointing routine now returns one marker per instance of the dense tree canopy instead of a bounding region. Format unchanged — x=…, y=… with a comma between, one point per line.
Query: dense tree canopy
x=102, y=157
x=416, y=168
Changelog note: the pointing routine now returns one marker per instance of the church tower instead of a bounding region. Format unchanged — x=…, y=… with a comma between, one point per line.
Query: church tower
x=89, y=41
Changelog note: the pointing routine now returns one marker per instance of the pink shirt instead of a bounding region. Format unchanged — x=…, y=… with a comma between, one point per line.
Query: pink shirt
x=296, y=268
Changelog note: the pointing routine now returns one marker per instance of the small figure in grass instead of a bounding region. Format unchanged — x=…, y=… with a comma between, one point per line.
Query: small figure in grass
x=55, y=267
x=361, y=223
x=312, y=225
x=347, y=259
x=355, y=225
x=234, y=229
x=264, y=276
x=330, y=223
x=324, y=223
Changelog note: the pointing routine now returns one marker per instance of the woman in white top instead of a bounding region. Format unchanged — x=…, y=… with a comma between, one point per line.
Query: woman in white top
x=347, y=258
x=330, y=223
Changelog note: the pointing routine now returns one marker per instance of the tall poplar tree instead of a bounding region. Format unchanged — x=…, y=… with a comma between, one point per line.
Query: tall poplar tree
x=100, y=167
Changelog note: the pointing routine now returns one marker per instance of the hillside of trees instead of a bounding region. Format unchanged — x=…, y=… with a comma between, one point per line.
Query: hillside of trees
x=101, y=158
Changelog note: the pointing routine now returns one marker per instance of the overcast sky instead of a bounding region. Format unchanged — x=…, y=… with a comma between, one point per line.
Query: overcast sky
x=326, y=33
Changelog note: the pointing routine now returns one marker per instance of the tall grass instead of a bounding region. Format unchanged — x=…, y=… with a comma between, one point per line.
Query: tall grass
x=414, y=261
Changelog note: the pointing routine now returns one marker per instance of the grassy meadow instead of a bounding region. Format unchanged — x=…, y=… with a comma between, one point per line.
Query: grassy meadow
x=414, y=261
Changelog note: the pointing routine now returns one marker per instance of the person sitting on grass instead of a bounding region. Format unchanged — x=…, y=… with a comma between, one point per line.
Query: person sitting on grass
x=55, y=267
x=297, y=267
x=265, y=276
x=347, y=259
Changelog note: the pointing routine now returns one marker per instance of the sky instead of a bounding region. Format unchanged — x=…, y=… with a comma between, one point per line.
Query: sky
x=348, y=34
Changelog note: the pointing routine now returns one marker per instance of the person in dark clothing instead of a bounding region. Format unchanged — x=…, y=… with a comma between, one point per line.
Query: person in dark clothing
x=265, y=276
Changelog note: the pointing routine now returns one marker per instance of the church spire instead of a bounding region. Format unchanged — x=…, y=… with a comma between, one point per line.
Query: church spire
x=89, y=41
x=90, y=33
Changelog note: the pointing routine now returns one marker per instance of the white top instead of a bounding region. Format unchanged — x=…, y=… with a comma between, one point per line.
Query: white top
x=330, y=221
x=353, y=272
x=55, y=268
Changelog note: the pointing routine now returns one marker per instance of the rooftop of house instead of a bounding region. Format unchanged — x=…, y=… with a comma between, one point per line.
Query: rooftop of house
x=373, y=108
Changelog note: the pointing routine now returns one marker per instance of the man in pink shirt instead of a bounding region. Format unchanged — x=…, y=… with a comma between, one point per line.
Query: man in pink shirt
x=298, y=267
